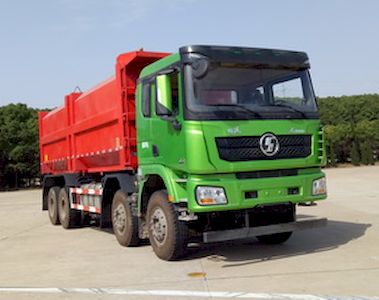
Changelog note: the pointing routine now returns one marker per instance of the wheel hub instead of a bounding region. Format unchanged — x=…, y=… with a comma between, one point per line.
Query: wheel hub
x=158, y=226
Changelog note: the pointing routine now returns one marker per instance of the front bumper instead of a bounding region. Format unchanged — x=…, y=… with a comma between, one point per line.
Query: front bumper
x=265, y=190
x=247, y=232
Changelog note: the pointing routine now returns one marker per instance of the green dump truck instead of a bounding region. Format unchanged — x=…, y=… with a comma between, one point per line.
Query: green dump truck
x=208, y=144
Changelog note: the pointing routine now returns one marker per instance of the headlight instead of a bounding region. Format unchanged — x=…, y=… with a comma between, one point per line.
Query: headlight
x=319, y=186
x=207, y=195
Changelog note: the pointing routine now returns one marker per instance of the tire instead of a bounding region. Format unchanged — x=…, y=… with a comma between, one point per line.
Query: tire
x=68, y=217
x=276, y=238
x=125, y=225
x=168, y=236
x=52, y=205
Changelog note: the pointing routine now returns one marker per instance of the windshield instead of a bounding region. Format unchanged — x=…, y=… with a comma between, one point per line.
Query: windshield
x=247, y=92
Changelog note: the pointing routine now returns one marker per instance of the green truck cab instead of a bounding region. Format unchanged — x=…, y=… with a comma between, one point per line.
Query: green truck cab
x=231, y=137
x=206, y=145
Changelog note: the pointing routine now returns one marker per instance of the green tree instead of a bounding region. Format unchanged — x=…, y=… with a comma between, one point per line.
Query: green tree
x=367, y=157
x=351, y=127
x=366, y=134
x=19, y=158
x=338, y=143
x=355, y=155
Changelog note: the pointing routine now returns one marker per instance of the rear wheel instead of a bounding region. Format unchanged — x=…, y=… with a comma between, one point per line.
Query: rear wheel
x=68, y=217
x=125, y=225
x=168, y=236
x=52, y=205
x=276, y=238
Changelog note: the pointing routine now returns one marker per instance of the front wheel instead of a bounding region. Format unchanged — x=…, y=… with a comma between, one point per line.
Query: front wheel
x=276, y=238
x=168, y=236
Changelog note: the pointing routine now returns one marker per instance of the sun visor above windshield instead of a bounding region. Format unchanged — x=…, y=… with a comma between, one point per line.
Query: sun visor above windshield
x=257, y=57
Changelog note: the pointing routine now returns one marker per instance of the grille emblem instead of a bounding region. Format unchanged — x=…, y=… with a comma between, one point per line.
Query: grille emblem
x=269, y=144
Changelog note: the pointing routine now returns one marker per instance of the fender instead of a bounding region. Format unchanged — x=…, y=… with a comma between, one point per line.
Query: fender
x=176, y=187
x=126, y=181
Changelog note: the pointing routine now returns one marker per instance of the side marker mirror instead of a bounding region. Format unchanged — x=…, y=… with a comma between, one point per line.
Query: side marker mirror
x=200, y=67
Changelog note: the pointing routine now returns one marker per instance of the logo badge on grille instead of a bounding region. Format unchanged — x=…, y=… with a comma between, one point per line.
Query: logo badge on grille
x=269, y=144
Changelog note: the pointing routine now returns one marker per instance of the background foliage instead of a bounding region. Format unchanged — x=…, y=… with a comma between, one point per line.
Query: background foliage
x=19, y=156
x=351, y=125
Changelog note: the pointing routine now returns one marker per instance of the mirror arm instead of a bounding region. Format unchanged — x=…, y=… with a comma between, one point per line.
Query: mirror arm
x=174, y=121
x=168, y=71
x=176, y=124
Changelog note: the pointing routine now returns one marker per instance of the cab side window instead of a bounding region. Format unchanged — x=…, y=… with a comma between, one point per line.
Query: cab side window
x=174, y=78
x=146, y=103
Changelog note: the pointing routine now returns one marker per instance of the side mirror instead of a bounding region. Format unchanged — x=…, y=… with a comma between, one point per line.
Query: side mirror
x=164, y=97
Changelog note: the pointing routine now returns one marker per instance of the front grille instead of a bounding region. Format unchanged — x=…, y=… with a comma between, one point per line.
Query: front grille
x=266, y=174
x=247, y=148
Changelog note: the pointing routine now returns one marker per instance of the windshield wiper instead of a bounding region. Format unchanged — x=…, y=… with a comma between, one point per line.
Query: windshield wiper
x=291, y=108
x=242, y=107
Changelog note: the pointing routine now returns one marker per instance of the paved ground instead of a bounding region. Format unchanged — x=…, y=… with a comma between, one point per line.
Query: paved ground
x=341, y=259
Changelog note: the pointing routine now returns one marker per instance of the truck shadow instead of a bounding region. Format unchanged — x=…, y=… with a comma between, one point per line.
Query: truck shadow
x=250, y=251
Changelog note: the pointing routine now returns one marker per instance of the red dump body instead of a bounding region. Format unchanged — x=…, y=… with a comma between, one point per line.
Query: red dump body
x=95, y=131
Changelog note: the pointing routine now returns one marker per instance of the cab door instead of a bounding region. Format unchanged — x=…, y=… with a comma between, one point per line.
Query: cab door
x=144, y=116
x=167, y=140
